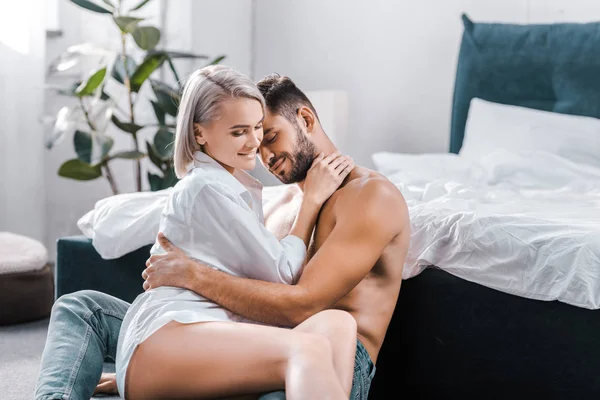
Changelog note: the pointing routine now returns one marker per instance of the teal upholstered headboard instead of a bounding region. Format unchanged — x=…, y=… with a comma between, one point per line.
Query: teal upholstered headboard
x=554, y=67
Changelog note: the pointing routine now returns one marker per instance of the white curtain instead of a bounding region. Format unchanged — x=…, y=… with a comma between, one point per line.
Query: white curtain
x=22, y=51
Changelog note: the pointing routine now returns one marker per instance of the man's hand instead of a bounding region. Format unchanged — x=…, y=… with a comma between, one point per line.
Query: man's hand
x=174, y=268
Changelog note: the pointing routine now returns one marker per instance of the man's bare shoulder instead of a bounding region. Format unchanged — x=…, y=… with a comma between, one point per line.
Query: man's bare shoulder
x=371, y=195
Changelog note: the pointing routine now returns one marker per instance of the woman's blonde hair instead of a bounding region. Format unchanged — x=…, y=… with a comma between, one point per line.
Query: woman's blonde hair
x=203, y=93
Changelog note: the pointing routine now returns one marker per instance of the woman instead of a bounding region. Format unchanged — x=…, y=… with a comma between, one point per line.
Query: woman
x=176, y=344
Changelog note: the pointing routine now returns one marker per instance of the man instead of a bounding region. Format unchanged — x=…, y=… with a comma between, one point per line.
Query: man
x=354, y=262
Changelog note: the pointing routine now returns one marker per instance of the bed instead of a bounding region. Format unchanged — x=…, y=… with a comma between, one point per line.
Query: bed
x=454, y=336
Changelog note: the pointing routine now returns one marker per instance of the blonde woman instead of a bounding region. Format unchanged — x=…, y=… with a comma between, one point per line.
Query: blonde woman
x=176, y=344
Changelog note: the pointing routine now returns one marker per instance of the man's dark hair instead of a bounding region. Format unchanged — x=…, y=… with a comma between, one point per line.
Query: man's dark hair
x=283, y=97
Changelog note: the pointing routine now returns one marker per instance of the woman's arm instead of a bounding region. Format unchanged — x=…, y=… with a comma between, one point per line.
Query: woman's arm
x=305, y=221
x=322, y=179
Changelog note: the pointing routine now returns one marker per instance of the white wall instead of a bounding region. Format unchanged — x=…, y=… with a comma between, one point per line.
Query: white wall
x=396, y=59
x=224, y=27
x=22, y=49
x=65, y=199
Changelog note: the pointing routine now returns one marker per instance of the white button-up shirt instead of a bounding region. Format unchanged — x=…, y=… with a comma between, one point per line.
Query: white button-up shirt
x=217, y=218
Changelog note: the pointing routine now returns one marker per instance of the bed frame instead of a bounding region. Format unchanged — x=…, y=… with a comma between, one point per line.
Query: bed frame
x=450, y=338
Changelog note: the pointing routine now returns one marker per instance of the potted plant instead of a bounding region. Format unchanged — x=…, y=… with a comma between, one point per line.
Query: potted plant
x=97, y=107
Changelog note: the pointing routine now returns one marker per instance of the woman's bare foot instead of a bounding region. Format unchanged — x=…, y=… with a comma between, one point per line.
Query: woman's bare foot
x=107, y=384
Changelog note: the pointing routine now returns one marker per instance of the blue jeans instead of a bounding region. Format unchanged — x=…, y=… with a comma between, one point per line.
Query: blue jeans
x=83, y=333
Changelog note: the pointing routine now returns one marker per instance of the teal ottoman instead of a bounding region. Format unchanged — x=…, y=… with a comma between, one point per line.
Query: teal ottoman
x=79, y=266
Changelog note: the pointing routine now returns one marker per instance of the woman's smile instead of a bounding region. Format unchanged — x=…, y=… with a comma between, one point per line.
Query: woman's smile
x=249, y=154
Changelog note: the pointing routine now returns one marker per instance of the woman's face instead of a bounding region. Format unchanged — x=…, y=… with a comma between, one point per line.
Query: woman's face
x=233, y=139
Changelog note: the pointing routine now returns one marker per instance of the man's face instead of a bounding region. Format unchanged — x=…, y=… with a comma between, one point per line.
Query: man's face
x=286, y=151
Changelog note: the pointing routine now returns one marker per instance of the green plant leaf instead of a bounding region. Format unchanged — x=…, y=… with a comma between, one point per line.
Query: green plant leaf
x=110, y=4
x=79, y=170
x=146, y=37
x=145, y=69
x=126, y=126
x=163, y=143
x=170, y=179
x=166, y=103
x=88, y=5
x=127, y=24
x=157, y=85
x=118, y=71
x=159, y=112
x=178, y=54
x=153, y=155
x=140, y=5
x=167, y=97
x=129, y=155
x=175, y=74
x=87, y=87
x=68, y=90
x=217, y=60
x=66, y=122
x=155, y=182
x=75, y=55
x=106, y=143
x=172, y=55
x=82, y=141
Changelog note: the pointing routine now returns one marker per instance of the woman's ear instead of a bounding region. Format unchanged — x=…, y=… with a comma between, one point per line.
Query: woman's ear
x=308, y=116
x=199, y=134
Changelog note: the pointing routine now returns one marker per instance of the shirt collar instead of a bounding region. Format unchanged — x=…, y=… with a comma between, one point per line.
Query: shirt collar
x=240, y=181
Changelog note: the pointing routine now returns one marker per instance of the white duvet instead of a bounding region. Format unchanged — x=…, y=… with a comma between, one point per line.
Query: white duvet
x=525, y=223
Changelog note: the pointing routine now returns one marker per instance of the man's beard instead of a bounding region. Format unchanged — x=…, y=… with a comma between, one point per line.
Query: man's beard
x=302, y=159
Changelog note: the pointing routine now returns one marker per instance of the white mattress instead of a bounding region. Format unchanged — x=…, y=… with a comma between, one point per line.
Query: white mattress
x=525, y=223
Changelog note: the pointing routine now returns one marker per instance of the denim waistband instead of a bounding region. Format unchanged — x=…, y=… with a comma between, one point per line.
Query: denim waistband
x=362, y=351
x=364, y=371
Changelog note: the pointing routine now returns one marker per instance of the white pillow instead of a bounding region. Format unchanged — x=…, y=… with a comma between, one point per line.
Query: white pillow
x=124, y=222
x=492, y=126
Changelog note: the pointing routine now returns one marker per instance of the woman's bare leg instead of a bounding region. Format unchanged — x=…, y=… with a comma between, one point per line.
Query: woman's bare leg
x=339, y=327
x=108, y=385
x=220, y=359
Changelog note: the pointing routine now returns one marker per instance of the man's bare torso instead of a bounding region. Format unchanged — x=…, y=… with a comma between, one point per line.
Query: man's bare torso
x=373, y=300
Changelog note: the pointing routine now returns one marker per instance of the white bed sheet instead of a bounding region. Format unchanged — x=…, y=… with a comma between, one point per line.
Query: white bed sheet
x=525, y=223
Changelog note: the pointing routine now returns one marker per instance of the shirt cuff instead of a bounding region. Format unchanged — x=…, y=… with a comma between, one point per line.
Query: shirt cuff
x=296, y=254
